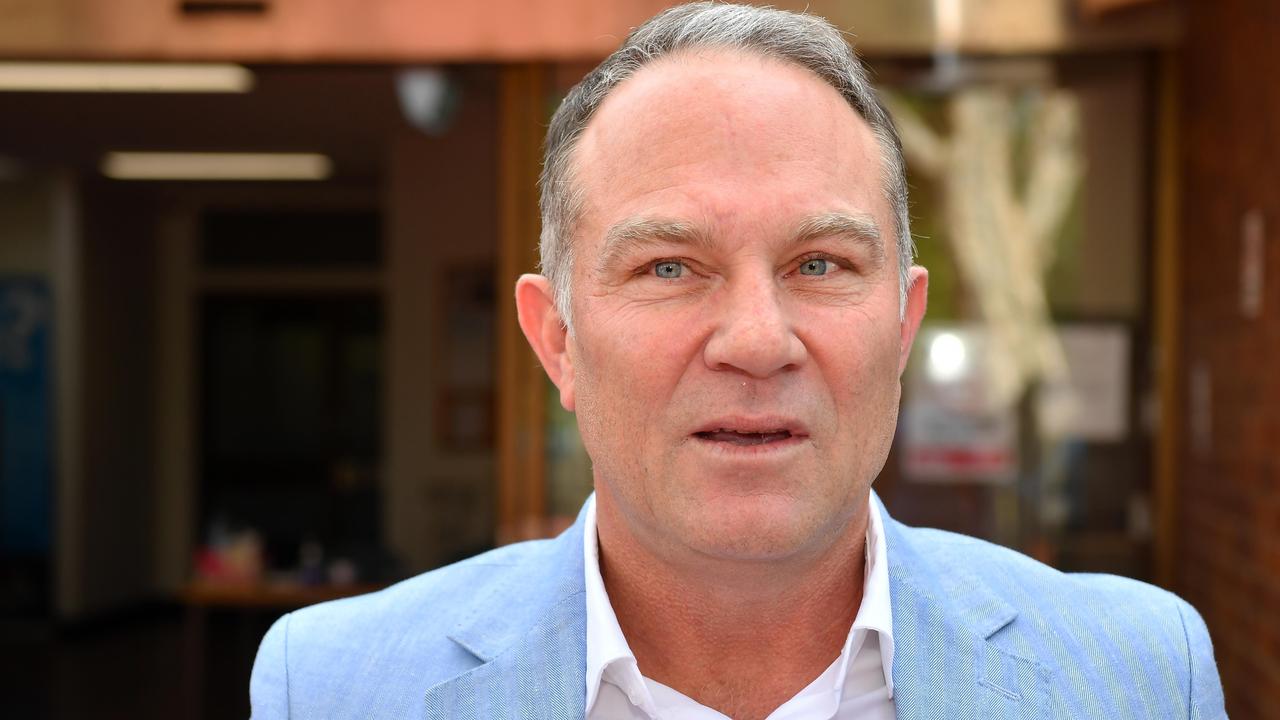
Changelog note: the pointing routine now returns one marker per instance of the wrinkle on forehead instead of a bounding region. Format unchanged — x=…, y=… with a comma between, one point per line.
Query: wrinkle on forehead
x=714, y=97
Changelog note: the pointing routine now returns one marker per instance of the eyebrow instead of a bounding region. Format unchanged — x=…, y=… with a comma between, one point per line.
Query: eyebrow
x=860, y=229
x=630, y=236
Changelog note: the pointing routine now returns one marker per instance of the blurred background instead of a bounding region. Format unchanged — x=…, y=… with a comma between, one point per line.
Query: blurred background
x=257, y=347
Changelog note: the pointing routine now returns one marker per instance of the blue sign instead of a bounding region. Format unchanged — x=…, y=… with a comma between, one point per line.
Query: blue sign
x=26, y=415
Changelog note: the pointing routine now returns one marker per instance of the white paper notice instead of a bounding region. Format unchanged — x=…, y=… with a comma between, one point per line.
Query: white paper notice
x=952, y=429
x=1093, y=404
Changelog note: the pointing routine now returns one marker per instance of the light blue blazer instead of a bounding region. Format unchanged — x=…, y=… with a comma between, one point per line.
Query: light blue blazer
x=979, y=632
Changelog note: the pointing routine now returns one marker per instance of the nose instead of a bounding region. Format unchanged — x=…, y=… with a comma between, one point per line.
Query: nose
x=753, y=334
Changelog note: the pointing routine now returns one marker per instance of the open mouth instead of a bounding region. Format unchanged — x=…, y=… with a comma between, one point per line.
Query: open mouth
x=735, y=437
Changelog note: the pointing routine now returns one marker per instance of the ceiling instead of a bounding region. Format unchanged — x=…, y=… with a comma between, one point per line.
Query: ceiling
x=349, y=113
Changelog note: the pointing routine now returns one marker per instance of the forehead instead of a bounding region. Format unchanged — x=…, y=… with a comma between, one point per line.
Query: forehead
x=705, y=135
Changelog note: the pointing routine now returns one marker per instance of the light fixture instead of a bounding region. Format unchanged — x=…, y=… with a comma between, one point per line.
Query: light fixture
x=124, y=77
x=216, y=166
x=428, y=99
x=948, y=358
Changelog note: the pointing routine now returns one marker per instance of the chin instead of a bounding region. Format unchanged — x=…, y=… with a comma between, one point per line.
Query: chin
x=754, y=528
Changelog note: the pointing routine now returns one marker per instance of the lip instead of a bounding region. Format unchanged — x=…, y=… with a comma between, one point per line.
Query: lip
x=755, y=424
x=789, y=433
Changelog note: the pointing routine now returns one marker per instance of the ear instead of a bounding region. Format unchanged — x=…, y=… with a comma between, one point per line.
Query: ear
x=546, y=333
x=917, y=298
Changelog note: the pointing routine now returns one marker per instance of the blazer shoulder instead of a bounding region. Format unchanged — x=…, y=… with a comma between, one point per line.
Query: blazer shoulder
x=379, y=650
x=1093, y=630
x=1011, y=573
x=432, y=603
x=1048, y=601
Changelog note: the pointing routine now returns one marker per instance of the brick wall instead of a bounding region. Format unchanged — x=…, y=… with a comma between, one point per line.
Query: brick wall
x=1229, y=543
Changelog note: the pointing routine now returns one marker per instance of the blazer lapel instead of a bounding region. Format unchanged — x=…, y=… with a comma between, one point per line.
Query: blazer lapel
x=945, y=663
x=541, y=676
x=533, y=650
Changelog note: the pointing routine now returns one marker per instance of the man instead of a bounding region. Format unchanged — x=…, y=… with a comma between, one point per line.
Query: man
x=728, y=306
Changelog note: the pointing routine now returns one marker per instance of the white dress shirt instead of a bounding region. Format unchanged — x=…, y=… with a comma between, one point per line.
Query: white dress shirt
x=859, y=684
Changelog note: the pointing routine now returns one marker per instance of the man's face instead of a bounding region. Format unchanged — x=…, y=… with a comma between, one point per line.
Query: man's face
x=736, y=350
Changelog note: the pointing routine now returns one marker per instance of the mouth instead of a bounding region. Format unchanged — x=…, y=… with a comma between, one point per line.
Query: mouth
x=737, y=437
x=750, y=433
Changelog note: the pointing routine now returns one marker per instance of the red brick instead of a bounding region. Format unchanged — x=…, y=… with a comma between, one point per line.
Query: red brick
x=1229, y=565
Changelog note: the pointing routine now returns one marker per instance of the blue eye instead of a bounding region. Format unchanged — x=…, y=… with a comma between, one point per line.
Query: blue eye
x=814, y=266
x=668, y=270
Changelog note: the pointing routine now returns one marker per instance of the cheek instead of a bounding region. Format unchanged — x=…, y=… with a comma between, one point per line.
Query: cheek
x=625, y=378
x=639, y=351
x=861, y=367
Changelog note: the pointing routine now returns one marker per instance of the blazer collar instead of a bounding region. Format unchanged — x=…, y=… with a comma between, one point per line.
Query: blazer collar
x=947, y=622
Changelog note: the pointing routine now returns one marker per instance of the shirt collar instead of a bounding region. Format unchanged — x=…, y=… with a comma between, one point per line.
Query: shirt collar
x=608, y=651
x=876, y=612
x=607, y=648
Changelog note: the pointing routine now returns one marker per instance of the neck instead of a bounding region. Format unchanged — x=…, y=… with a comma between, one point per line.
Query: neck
x=739, y=637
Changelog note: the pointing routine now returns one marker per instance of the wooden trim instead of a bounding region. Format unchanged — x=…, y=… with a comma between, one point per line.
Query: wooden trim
x=177, y=439
x=518, y=31
x=521, y=385
x=1097, y=8
x=266, y=595
x=67, y=276
x=1167, y=311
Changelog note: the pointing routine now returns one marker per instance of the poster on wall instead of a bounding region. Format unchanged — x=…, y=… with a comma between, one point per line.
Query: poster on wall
x=952, y=428
x=1091, y=402
x=26, y=415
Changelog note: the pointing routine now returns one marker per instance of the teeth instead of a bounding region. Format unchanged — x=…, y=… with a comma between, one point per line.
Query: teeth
x=739, y=437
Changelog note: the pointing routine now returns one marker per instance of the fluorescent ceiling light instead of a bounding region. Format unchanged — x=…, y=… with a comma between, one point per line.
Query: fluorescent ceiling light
x=124, y=77
x=216, y=166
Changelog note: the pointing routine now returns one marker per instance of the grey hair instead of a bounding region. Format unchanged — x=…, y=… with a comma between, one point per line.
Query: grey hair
x=802, y=39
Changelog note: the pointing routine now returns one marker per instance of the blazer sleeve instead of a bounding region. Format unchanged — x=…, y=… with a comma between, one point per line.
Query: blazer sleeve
x=269, y=683
x=1205, y=701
